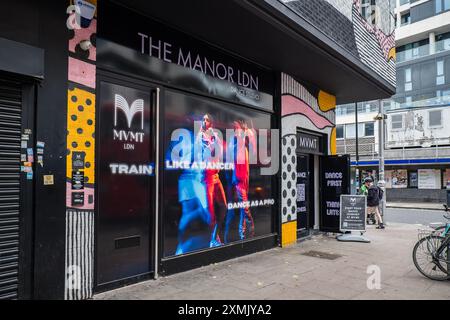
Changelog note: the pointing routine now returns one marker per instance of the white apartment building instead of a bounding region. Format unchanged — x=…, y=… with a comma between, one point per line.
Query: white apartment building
x=417, y=148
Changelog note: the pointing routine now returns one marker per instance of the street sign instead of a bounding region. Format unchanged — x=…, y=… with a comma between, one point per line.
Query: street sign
x=353, y=213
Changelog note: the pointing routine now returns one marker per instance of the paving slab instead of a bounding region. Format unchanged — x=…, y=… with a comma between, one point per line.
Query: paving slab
x=287, y=274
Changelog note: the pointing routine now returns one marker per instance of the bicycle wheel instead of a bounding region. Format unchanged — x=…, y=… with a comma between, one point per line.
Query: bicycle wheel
x=435, y=268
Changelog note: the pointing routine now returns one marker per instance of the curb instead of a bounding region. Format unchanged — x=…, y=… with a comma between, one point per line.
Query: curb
x=399, y=207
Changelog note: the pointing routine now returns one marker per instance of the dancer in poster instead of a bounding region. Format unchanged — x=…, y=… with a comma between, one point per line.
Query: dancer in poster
x=243, y=143
x=211, y=152
x=192, y=197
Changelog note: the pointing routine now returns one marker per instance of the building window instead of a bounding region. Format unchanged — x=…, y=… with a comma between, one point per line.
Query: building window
x=350, y=131
x=369, y=129
x=366, y=129
x=340, y=132
x=413, y=50
x=368, y=11
x=440, y=78
x=442, y=5
x=409, y=102
x=408, y=80
x=443, y=42
x=443, y=96
x=397, y=122
x=435, y=118
x=405, y=19
x=402, y=2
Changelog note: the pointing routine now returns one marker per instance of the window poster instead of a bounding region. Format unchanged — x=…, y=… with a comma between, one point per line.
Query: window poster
x=429, y=179
x=446, y=179
x=399, y=179
x=213, y=189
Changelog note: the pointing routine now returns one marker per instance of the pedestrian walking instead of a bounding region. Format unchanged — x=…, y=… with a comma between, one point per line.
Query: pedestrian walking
x=374, y=196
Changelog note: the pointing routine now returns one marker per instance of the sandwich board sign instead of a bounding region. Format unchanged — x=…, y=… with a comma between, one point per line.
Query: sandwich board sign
x=353, y=218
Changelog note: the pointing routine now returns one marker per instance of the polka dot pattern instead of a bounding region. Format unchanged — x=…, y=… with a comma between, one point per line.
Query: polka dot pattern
x=289, y=179
x=81, y=130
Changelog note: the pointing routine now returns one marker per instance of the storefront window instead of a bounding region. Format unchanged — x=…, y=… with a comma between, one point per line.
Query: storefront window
x=399, y=179
x=429, y=179
x=214, y=193
x=413, y=179
x=446, y=180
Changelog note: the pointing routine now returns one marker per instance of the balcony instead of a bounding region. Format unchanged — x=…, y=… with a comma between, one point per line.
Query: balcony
x=367, y=147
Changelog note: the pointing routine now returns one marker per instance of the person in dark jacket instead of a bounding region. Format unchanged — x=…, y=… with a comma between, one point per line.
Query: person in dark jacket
x=373, y=203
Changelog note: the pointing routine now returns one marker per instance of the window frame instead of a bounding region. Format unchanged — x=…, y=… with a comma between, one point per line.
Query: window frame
x=408, y=83
x=402, y=122
x=365, y=129
x=343, y=131
x=441, y=124
x=440, y=72
x=408, y=20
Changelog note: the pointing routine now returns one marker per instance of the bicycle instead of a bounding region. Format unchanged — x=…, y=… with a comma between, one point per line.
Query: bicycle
x=431, y=252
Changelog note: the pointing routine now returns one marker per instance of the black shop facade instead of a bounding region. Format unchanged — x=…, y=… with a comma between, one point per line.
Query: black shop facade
x=178, y=152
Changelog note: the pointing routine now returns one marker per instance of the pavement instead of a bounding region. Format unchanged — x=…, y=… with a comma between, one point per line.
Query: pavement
x=288, y=274
x=416, y=205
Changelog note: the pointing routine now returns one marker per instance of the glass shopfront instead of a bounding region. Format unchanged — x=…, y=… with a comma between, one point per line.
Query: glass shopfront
x=181, y=135
x=214, y=193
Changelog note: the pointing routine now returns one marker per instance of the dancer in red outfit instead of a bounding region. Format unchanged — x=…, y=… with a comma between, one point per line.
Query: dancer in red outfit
x=241, y=176
x=211, y=142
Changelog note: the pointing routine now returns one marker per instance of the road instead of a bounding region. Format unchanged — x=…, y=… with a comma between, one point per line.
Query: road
x=414, y=216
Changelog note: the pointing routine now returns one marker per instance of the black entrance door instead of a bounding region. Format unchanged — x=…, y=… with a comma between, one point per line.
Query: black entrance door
x=303, y=194
x=335, y=181
x=124, y=181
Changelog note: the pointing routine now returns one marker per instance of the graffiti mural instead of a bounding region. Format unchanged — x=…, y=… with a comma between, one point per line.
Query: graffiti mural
x=306, y=108
x=80, y=172
x=385, y=41
x=376, y=47
x=365, y=31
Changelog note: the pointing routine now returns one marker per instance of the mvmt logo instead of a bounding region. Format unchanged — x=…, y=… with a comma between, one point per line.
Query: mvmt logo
x=130, y=113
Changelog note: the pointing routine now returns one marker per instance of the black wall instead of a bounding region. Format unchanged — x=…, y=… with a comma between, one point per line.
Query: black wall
x=43, y=24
